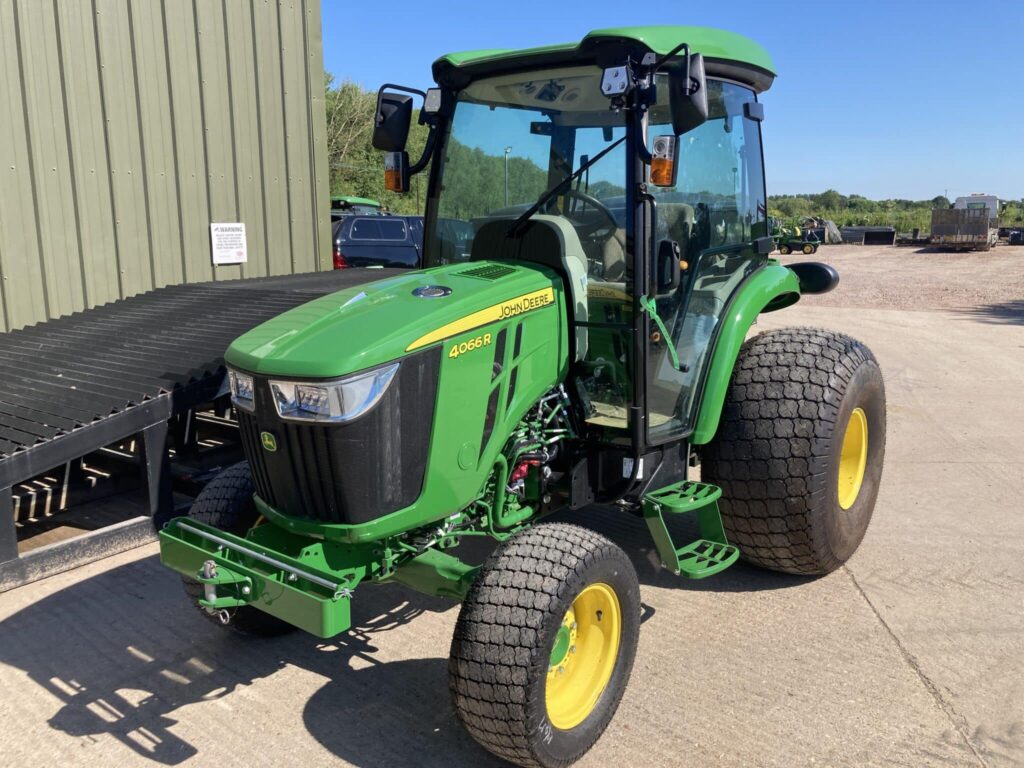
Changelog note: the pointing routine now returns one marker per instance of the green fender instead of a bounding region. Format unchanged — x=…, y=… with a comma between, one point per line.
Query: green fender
x=771, y=287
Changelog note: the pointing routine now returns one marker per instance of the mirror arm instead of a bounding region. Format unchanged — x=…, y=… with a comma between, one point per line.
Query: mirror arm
x=428, y=150
x=403, y=88
x=642, y=125
x=661, y=62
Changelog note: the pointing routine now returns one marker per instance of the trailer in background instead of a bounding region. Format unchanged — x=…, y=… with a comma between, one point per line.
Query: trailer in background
x=971, y=224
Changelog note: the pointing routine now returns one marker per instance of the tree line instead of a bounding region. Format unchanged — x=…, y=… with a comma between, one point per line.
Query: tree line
x=856, y=210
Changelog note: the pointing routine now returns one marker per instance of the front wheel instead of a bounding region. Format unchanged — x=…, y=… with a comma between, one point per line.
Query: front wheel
x=798, y=454
x=226, y=502
x=544, y=645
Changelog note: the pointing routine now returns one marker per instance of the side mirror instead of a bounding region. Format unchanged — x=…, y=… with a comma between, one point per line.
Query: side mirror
x=392, y=120
x=396, y=172
x=688, y=94
x=669, y=267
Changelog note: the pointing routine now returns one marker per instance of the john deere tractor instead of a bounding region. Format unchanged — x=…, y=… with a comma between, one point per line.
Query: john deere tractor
x=596, y=252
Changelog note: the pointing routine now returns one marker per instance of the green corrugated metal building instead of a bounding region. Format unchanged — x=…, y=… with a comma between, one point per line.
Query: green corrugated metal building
x=129, y=126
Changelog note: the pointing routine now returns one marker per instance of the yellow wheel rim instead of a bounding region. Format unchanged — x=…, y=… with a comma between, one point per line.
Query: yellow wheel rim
x=583, y=656
x=808, y=249
x=853, y=459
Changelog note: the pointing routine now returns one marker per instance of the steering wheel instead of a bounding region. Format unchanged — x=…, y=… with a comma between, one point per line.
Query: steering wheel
x=593, y=230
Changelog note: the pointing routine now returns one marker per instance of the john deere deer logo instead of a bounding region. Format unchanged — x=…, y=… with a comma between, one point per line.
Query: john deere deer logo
x=269, y=441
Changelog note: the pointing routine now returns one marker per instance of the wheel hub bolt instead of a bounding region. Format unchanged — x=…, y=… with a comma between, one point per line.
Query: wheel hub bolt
x=572, y=649
x=561, y=670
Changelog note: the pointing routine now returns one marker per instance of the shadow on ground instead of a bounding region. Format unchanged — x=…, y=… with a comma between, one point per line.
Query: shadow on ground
x=124, y=651
x=1003, y=313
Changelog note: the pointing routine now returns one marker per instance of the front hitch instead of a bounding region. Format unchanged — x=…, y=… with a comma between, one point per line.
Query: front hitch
x=223, y=589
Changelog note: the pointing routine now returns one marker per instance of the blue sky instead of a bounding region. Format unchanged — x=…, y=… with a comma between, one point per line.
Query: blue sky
x=883, y=99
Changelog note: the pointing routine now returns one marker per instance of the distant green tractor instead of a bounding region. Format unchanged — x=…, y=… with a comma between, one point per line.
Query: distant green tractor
x=586, y=345
x=794, y=241
x=346, y=204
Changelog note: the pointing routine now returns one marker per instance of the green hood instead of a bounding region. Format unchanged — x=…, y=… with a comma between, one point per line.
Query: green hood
x=374, y=323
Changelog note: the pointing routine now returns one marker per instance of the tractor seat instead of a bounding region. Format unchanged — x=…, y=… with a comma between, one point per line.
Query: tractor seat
x=547, y=240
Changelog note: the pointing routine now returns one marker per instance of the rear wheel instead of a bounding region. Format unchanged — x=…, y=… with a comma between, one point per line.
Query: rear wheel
x=226, y=503
x=544, y=645
x=799, y=451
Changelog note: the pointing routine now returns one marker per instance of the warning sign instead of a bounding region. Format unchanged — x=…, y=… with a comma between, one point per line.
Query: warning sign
x=227, y=242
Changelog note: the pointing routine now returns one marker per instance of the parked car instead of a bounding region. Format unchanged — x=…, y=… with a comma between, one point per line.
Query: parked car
x=378, y=241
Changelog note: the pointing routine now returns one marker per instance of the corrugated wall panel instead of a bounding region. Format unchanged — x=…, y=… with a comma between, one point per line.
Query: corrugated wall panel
x=24, y=295
x=298, y=134
x=154, y=117
x=87, y=151
x=44, y=111
x=187, y=126
x=134, y=124
x=216, y=90
x=240, y=49
x=320, y=171
x=273, y=148
x=117, y=84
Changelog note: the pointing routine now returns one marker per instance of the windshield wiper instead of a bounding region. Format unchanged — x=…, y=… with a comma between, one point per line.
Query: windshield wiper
x=517, y=225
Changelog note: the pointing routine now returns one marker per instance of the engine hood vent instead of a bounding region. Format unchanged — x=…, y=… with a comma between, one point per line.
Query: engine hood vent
x=489, y=271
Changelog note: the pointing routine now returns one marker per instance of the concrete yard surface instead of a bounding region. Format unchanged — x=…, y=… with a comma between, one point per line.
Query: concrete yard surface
x=912, y=654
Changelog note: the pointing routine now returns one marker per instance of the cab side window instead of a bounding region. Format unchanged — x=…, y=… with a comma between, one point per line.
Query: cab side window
x=715, y=213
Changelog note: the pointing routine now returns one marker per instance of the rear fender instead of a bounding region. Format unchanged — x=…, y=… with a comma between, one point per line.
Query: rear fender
x=771, y=287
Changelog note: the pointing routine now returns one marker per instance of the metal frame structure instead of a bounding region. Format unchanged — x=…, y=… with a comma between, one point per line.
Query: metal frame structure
x=135, y=367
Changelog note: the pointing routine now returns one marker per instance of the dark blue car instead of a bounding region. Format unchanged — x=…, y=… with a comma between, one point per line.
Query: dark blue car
x=378, y=241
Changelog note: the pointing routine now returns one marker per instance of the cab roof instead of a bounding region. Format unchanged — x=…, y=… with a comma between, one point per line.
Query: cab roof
x=726, y=54
x=353, y=200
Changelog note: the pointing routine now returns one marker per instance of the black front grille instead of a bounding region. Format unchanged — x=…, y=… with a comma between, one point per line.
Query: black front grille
x=347, y=473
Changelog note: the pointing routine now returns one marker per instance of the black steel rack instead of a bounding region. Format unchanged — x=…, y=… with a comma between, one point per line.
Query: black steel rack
x=76, y=384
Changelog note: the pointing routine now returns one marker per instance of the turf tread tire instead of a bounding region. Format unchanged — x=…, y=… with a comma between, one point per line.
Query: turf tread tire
x=226, y=503
x=501, y=645
x=774, y=455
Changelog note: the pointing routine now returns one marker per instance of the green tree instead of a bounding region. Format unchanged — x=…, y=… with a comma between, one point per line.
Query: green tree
x=356, y=168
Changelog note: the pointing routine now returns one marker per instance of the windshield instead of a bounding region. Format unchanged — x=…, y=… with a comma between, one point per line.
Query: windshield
x=511, y=139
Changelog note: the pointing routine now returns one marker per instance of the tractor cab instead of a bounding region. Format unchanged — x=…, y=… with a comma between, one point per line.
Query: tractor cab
x=632, y=167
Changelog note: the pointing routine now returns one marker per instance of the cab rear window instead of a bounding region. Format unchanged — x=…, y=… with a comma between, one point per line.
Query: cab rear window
x=379, y=229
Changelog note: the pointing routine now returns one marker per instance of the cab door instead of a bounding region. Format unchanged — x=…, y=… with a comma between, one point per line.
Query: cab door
x=715, y=214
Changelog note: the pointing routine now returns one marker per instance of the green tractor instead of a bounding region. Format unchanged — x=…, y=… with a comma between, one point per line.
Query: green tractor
x=587, y=346
x=793, y=240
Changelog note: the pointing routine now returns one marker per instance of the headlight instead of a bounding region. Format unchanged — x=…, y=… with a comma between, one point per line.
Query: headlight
x=334, y=401
x=241, y=390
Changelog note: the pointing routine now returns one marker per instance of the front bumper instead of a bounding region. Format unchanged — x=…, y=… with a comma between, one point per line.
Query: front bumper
x=287, y=580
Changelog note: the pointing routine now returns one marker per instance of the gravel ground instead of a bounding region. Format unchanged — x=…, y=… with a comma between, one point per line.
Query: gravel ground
x=909, y=655
x=989, y=285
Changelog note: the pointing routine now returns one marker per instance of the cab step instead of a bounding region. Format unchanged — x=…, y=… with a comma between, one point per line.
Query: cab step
x=708, y=555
